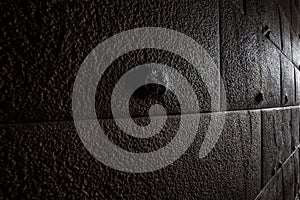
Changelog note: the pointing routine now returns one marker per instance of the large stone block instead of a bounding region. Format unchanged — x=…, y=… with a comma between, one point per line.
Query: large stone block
x=250, y=63
x=49, y=160
x=42, y=54
x=269, y=62
x=276, y=140
x=239, y=58
x=287, y=82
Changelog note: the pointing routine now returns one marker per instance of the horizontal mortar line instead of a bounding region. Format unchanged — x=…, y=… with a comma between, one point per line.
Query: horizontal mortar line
x=143, y=117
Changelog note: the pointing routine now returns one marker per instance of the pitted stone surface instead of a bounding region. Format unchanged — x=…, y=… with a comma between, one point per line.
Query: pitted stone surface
x=295, y=127
x=295, y=48
x=274, y=189
x=239, y=58
x=276, y=141
x=268, y=13
x=285, y=27
x=297, y=79
x=49, y=160
x=295, y=13
x=269, y=61
x=287, y=82
x=255, y=43
x=296, y=157
x=288, y=170
x=46, y=42
x=286, y=8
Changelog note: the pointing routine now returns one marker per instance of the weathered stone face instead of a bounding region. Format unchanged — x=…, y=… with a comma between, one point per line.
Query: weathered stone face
x=255, y=45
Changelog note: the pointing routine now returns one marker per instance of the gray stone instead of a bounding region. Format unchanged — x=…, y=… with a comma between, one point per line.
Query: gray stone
x=287, y=133
x=295, y=48
x=49, y=160
x=297, y=89
x=287, y=82
x=276, y=140
x=285, y=33
x=288, y=172
x=269, y=62
x=266, y=15
x=295, y=126
x=250, y=63
x=273, y=190
x=296, y=157
x=236, y=154
x=240, y=71
x=240, y=4
x=269, y=16
x=295, y=12
x=285, y=6
x=40, y=65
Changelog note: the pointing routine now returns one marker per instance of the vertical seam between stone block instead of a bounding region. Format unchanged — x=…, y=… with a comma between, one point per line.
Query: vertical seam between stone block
x=261, y=151
x=281, y=79
x=295, y=85
x=243, y=154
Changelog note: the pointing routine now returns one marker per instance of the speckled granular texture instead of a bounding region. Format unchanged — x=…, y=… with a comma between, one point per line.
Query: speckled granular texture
x=256, y=46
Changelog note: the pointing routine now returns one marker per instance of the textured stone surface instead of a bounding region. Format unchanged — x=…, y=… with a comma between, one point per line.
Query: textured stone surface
x=240, y=4
x=269, y=16
x=40, y=65
x=240, y=71
x=287, y=82
x=297, y=169
x=295, y=12
x=273, y=190
x=266, y=15
x=49, y=160
x=43, y=45
x=276, y=140
x=285, y=183
x=296, y=48
x=285, y=6
x=285, y=33
x=241, y=136
x=295, y=127
x=288, y=172
x=297, y=78
x=251, y=72
x=269, y=60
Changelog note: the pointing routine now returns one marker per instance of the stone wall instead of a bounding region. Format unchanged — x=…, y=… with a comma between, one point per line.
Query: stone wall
x=255, y=45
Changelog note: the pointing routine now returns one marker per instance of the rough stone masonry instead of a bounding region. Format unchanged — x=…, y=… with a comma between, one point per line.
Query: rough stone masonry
x=255, y=45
